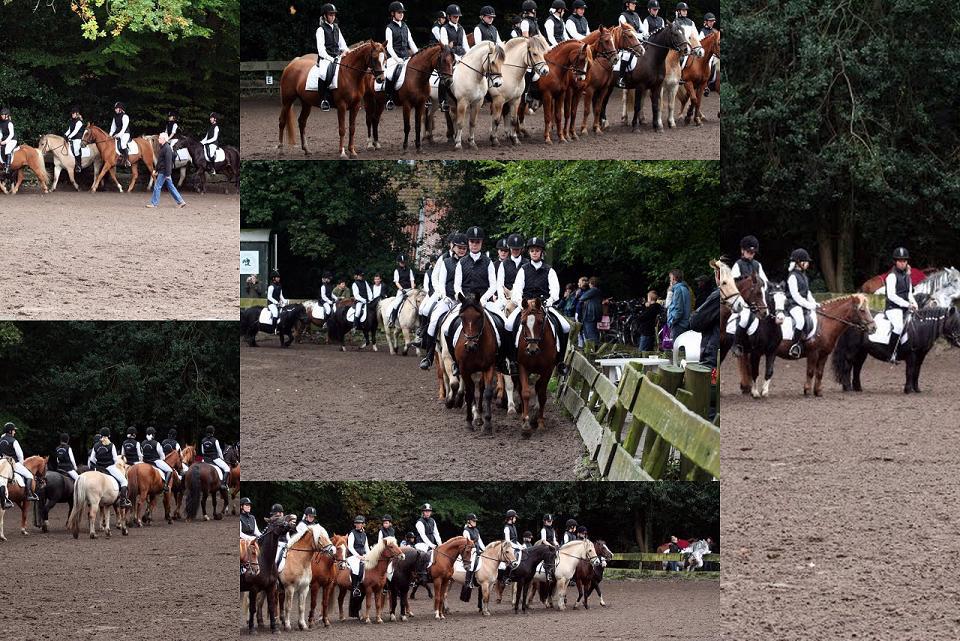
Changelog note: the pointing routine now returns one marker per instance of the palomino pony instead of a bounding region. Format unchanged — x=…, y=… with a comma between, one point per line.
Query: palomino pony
x=441, y=572
x=519, y=55
x=569, y=557
x=106, y=145
x=202, y=480
x=297, y=574
x=364, y=59
x=474, y=75
x=230, y=162
x=589, y=575
x=63, y=158
x=25, y=156
x=323, y=581
x=697, y=75
x=537, y=356
x=374, y=577
x=6, y=478
x=569, y=64
x=144, y=483
x=603, y=48
x=96, y=493
x=487, y=572
x=18, y=495
x=476, y=354
x=266, y=580
x=600, y=80
x=407, y=320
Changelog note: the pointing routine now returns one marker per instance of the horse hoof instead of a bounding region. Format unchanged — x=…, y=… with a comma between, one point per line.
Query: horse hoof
x=3, y=538
x=511, y=410
x=393, y=617
x=93, y=536
x=473, y=145
x=458, y=146
x=379, y=620
x=370, y=146
x=343, y=155
x=206, y=518
x=403, y=618
x=354, y=154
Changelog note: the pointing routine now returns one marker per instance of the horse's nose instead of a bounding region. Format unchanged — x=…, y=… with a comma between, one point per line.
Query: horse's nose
x=497, y=82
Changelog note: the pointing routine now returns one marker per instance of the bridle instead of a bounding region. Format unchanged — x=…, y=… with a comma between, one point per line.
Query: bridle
x=502, y=558
x=369, y=69
x=470, y=339
x=541, y=315
x=538, y=67
x=859, y=324
x=579, y=74
x=489, y=74
x=609, y=54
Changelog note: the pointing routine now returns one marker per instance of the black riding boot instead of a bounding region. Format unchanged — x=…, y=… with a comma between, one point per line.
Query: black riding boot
x=429, y=344
x=166, y=483
x=421, y=331
x=393, y=319
x=7, y=504
x=468, y=579
x=355, y=584
x=562, y=366
x=391, y=94
x=442, y=97
x=456, y=366
x=30, y=486
x=126, y=157
x=122, y=500
x=327, y=98
x=894, y=344
x=796, y=350
x=738, y=339
x=77, y=165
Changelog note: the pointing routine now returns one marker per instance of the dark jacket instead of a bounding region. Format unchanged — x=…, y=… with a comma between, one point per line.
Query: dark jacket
x=706, y=320
x=592, y=302
x=165, y=160
x=647, y=319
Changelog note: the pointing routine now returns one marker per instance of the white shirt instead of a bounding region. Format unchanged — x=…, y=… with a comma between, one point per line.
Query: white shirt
x=440, y=276
x=423, y=535
x=478, y=37
x=516, y=294
x=92, y=459
x=364, y=297
x=214, y=137
x=806, y=303
x=74, y=129
x=548, y=32
x=328, y=298
x=10, y=132
x=444, y=39
x=891, y=291
x=396, y=280
x=525, y=27
x=322, y=44
x=19, y=453
x=478, y=542
x=389, y=37
x=491, y=280
x=125, y=120
x=500, y=277
x=543, y=536
x=572, y=32
x=353, y=552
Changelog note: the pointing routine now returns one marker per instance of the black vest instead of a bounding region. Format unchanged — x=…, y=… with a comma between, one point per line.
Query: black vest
x=632, y=19
x=474, y=276
x=551, y=533
x=534, y=27
x=326, y=288
x=362, y=288
x=359, y=541
x=403, y=274
x=400, y=38
x=248, y=524
x=211, y=130
x=429, y=525
x=169, y=129
x=488, y=32
x=388, y=531
x=331, y=36
x=747, y=268
x=473, y=533
x=64, y=464
x=581, y=22
x=513, y=532
x=4, y=128
x=118, y=121
x=277, y=292
x=433, y=39
x=169, y=445
x=903, y=289
x=707, y=31
x=450, y=262
x=536, y=282
x=559, y=34
x=151, y=451
x=569, y=536
x=79, y=134
x=6, y=446
x=455, y=38
x=103, y=454
x=653, y=23
x=130, y=451
x=510, y=270
x=208, y=447
x=803, y=287
x=686, y=22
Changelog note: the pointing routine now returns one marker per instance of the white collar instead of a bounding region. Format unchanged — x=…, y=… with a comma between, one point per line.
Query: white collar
x=476, y=256
x=517, y=260
x=537, y=265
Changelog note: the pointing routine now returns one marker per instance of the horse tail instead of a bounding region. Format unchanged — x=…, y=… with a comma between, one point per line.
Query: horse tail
x=193, y=492
x=133, y=483
x=79, y=499
x=41, y=168
x=842, y=355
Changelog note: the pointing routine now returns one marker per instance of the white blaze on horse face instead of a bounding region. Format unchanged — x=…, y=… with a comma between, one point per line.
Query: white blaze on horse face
x=531, y=320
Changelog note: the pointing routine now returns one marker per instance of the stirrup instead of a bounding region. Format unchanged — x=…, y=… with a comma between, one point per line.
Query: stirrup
x=424, y=363
x=7, y=504
x=33, y=497
x=444, y=107
x=390, y=105
x=324, y=105
x=795, y=350
x=737, y=350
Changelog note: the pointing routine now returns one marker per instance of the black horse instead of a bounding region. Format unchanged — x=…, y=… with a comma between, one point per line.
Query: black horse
x=406, y=573
x=291, y=320
x=923, y=329
x=338, y=327
x=523, y=574
x=57, y=489
x=766, y=339
x=267, y=578
x=230, y=162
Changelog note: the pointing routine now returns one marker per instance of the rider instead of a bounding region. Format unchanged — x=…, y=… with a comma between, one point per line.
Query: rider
x=454, y=36
x=440, y=19
x=898, y=288
x=708, y=21
x=153, y=455
x=210, y=448
x=800, y=299
x=120, y=130
x=553, y=28
x=485, y=31
x=386, y=528
x=576, y=26
x=443, y=281
x=362, y=294
x=682, y=19
x=377, y=288
x=131, y=448
x=427, y=532
x=104, y=458
x=507, y=275
x=527, y=539
x=652, y=21
x=211, y=142
x=9, y=446
x=582, y=533
x=172, y=126
x=309, y=518
x=330, y=46
x=472, y=532
x=747, y=265
x=537, y=279
x=275, y=299
x=326, y=299
x=510, y=534
x=628, y=16
x=404, y=280
x=410, y=539
x=571, y=532
x=7, y=140
x=74, y=136
x=400, y=47
x=548, y=534
x=65, y=461
x=528, y=19
x=357, y=550
x=249, y=531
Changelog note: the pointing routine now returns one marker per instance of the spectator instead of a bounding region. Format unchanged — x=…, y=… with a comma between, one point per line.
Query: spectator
x=341, y=291
x=591, y=310
x=253, y=285
x=678, y=310
x=568, y=301
x=582, y=285
x=164, y=171
x=706, y=320
x=647, y=321
x=704, y=287
x=674, y=566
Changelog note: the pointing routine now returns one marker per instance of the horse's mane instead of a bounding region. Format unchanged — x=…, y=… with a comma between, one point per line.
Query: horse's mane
x=572, y=543
x=312, y=529
x=373, y=557
x=861, y=299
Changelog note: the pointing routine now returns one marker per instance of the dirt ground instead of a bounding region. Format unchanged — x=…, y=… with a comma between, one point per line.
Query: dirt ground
x=840, y=515
x=313, y=412
x=161, y=582
x=635, y=610
x=259, y=117
x=104, y=256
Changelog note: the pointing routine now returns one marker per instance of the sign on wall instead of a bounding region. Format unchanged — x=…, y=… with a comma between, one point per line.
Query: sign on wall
x=249, y=262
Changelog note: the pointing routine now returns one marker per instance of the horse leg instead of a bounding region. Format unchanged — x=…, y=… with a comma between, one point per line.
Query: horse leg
x=468, y=398
x=811, y=373
x=496, y=118
x=755, y=387
x=771, y=361
x=474, y=112
x=488, y=389
x=305, y=109
x=406, y=126
x=353, y=130
x=547, y=116
x=525, y=429
x=342, y=128
x=458, y=127
x=542, y=400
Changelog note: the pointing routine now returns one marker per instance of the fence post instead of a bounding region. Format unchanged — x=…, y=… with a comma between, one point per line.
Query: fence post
x=697, y=381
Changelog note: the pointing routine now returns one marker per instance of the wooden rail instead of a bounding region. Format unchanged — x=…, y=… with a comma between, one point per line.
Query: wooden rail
x=635, y=562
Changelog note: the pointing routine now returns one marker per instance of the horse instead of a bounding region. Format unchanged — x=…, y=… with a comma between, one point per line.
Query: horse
x=519, y=55
x=338, y=325
x=374, y=578
x=922, y=330
x=590, y=575
x=604, y=50
x=406, y=573
x=476, y=355
x=267, y=579
x=354, y=66
x=750, y=296
x=290, y=321
x=24, y=156
x=37, y=465
x=230, y=162
x=600, y=80
x=764, y=341
x=492, y=556
x=568, y=560
x=144, y=483
x=107, y=147
x=450, y=387
x=178, y=462
x=202, y=480
x=943, y=287
x=441, y=572
x=95, y=493
x=407, y=320
x=297, y=574
x=571, y=60
x=324, y=569
x=696, y=75
x=58, y=488
x=474, y=75
x=523, y=574
x=6, y=478
x=63, y=158
x=537, y=356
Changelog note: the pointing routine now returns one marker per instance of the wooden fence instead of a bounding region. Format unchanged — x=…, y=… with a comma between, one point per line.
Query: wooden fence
x=261, y=77
x=651, y=563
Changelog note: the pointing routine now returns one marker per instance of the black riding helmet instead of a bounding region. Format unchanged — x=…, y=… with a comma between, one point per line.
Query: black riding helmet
x=173, y=113
x=328, y=8
x=310, y=511
x=487, y=10
x=511, y=513
x=750, y=243
x=454, y=11
x=64, y=438
x=426, y=507
x=359, y=519
x=151, y=431
x=800, y=255
x=471, y=517
x=396, y=7
x=709, y=16
x=515, y=241
x=172, y=433
x=460, y=240
x=105, y=431
x=209, y=430
x=653, y=4
x=120, y=106
x=571, y=523
x=502, y=244
x=579, y=4
x=536, y=241
x=358, y=272
x=386, y=518
x=527, y=534
x=8, y=427
x=582, y=529
x=215, y=116
x=276, y=508
x=4, y=112
x=529, y=6
x=547, y=517
x=131, y=432
x=475, y=233
x=245, y=501
x=328, y=275
x=440, y=15
x=275, y=273
x=75, y=109
x=559, y=4
x=901, y=253
x=401, y=258
x=682, y=5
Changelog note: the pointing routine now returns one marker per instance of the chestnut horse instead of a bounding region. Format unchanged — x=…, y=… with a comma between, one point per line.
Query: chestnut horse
x=200, y=481
x=180, y=462
x=374, y=577
x=696, y=75
x=589, y=576
x=603, y=48
x=601, y=79
x=25, y=156
x=107, y=147
x=476, y=355
x=324, y=578
x=144, y=483
x=441, y=572
x=365, y=59
x=18, y=495
x=537, y=355
x=569, y=65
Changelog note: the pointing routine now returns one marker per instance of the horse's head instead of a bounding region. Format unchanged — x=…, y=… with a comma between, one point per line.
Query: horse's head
x=582, y=59
x=507, y=555
x=533, y=321
x=606, y=47
x=729, y=292
x=418, y=296
x=88, y=135
x=537, y=48
x=465, y=552
x=188, y=454
x=751, y=288
x=473, y=320
x=590, y=554
x=600, y=547
x=860, y=313
x=777, y=301
x=493, y=71
x=391, y=550
x=445, y=61
x=629, y=40
x=340, y=544
x=377, y=60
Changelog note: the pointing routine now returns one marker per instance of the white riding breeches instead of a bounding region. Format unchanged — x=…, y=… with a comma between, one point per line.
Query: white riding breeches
x=564, y=325
x=896, y=318
x=358, y=311
x=163, y=467
x=397, y=301
x=22, y=472
x=354, y=562
x=428, y=303
x=796, y=313
x=274, y=310
x=9, y=146
x=211, y=152
x=444, y=305
x=221, y=465
x=73, y=474
x=75, y=146
x=391, y=68
x=122, y=141
x=118, y=475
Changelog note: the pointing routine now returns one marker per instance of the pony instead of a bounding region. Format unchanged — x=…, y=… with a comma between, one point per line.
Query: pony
x=571, y=61
x=144, y=483
x=450, y=389
x=568, y=560
x=324, y=569
x=25, y=156
x=364, y=60
x=407, y=320
x=202, y=480
x=18, y=495
x=231, y=162
x=338, y=325
x=589, y=575
x=536, y=356
x=603, y=49
x=63, y=158
x=266, y=581
x=922, y=330
x=297, y=574
x=6, y=479
x=441, y=572
x=106, y=145
x=523, y=574
x=696, y=75
x=95, y=493
x=765, y=340
x=58, y=488
x=519, y=55
x=374, y=578
x=290, y=322
x=476, y=355
x=601, y=79
x=405, y=574
x=492, y=556
x=474, y=75
x=179, y=461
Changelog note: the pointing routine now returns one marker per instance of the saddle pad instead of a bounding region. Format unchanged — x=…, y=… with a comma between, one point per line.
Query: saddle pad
x=352, y=314
x=629, y=59
x=735, y=318
x=219, y=156
x=458, y=328
x=316, y=310
x=183, y=155
x=883, y=331
x=322, y=71
x=133, y=149
x=85, y=151
x=399, y=73
x=265, y=317
x=787, y=327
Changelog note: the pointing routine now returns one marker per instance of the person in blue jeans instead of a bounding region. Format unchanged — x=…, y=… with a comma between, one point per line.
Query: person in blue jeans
x=591, y=310
x=164, y=171
x=678, y=312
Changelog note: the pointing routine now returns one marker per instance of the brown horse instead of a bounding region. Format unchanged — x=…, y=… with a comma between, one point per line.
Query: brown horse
x=441, y=572
x=374, y=577
x=18, y=495
x=537, y=355
x=569, y=63
x=365, y=59
x=25, y=156
x=202, y=480
x=476, y=355
x=106, y=145
x=696, y=75
x=144, y=483
x=589, y=576
x=179, y=461
x=601, y=79
x=324, y=579
x=265, y=581
x=603, y=48
x=233, y=482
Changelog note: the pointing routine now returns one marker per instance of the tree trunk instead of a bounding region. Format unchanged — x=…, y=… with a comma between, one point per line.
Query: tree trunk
x=827, y=261
x=640, y=529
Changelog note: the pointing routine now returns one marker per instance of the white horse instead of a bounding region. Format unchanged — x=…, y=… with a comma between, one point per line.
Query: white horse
x=407, y=320
x=63, y=158
x=520, y=54
x=297, y=572
x=6, y=476
x=943, y=286
x=96, y=493
x=568, y=558
x=450, y=385
x=486, y=575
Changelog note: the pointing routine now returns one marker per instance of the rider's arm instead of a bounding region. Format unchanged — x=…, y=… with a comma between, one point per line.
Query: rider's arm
x=18, y=451
x=411, y=43
x=396, y=279
x=125, y=124
x=322, y=45
x=72, y=460
x=423, y=534
x=554, y=283
x=390, y=50
x=436, y=535
x=622, y=20
x=477, y=36
x=116, y=457
x=213, y=137
x=735, y=270
x=891, y=291
x=506, y=534
x=548, y=31
x=139, y=452
x=219, y=451
x=270, y=298
x=516, y=293
x=444, y=39
x=491, y=284
x=343, y=44
x=458, y=280
x=524, y=28
x=437, y=32
x=795, y=293
x=439, y=276
x=174, y=130
x=571, y=28
x=465, y=43
x=91, y=460
x=350, y=550
x=113, y=127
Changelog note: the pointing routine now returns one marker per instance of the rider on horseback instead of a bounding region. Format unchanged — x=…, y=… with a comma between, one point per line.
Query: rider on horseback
x=682, y=20
x=472, y=532
x=427, y=534
x=210, y=448
x=404, y=280
x=548, y=535
x=898, y=288
x=249, y=531
x=7, y=140
x=153, y=454
x=628, y=16
x=433, y=293
x=131, y=448
x=577, y=27
x=170, y=444
x=400, y=47
x=485, y=31
x=386, y=528
x=275, y=299
x=120, y=131
x=439, y=20
x=800, y=299
x=507, y=274
x=326, y=298
x=104, y=458
x=510, y=534
x=10, y=447
x=74, y=136
x=357, y=550
x=330, y=46
x=708, y=21
x=553, y=27
x=211, y=142
x=571, y=532
x=652, y=22
x=454, y=36
x=537, y=279
x=582, y=533
x=747, y=265
x=65, y=461
x=443, y=281
x=363, y=296
x=309, y=518
x=528, y=19
x=172, y=126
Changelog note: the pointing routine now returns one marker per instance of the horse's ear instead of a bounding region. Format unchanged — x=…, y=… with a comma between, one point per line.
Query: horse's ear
x=461, y=298
x=524, y=303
